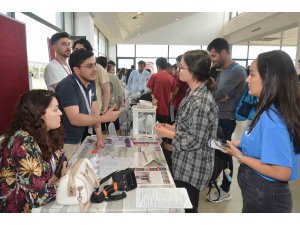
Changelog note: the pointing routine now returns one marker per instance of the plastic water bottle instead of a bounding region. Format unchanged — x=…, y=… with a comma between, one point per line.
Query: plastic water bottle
x=112, y=129
x=95, y=159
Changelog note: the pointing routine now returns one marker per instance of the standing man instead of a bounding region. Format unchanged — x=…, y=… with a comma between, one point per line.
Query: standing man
x=102, y=85
x=138, y=79
x=231, y=83
x=77, y=101
x=58, y=68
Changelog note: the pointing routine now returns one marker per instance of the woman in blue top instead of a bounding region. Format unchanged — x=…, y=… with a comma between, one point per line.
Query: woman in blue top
x=269, y=146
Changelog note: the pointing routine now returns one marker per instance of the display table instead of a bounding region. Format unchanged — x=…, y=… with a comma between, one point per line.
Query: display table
x=151, y=171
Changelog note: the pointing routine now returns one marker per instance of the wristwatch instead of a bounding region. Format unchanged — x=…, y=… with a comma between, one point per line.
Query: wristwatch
x=239, y=158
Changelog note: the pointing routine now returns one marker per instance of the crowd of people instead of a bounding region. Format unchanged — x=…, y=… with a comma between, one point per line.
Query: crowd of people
x=85, y=94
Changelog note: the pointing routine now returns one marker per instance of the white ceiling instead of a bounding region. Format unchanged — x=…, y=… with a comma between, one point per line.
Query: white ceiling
x=181, y=28
x=190, y=28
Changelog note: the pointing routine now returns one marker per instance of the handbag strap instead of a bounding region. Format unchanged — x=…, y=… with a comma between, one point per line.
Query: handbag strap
x=71, y=179
x=79, y=199
x=107, y=177
x=91, y=176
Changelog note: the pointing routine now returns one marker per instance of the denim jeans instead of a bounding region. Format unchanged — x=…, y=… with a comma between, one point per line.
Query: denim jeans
x=263, y=196
x=228, y=127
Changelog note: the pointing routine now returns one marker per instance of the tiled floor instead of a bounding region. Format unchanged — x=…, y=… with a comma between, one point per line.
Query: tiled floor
x=234, y=205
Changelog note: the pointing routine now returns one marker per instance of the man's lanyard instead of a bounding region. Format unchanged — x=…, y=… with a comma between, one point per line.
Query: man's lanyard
x=64, y=67
x=88, y=104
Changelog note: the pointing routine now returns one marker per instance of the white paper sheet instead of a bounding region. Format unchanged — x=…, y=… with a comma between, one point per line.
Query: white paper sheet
x=109, y=165
x=162, y=198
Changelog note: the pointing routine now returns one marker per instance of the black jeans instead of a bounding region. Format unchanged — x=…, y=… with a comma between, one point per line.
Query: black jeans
x=261, y=195
x=193, y=195
x=228, y=127
x=167, y=153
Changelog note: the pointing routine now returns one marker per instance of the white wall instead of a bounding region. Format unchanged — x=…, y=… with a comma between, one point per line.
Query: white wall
x=84, y=26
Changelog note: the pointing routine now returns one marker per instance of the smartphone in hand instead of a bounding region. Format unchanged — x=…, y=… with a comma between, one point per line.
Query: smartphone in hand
x=219, y=144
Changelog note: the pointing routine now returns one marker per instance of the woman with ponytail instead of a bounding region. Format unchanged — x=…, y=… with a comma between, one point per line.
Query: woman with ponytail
x=196, y=123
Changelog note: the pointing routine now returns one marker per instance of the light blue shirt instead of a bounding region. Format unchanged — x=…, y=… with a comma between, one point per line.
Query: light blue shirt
x=270, y=142
x=137, y=81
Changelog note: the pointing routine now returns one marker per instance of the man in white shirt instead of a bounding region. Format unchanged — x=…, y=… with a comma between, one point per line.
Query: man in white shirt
x=58, y=68
x=138, y=79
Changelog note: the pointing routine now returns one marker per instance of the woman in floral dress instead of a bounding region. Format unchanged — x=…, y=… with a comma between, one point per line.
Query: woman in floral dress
x=29, y=153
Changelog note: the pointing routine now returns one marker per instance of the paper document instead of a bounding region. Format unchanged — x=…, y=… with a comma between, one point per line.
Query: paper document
x=146, y=157
x=153, y=176
x=109, y=165
x=162, y=198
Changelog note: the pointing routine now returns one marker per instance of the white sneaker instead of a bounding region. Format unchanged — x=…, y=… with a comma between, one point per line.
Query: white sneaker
x=214, y=196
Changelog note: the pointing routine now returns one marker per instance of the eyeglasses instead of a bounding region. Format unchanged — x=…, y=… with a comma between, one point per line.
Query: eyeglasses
x=89, y=66
x=182, y=68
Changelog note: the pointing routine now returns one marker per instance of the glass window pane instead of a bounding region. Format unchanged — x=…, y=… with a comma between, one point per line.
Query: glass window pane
x=152, y=51
x=239, y=51
x=241, y=62
x=96, y=43
x=126, y=63
x=204, y=47
x=52, y=17
x=176, y=50
x=102, y=44
x=172, y=61
x=290, y=50
x=37, y=48
x=125, y=51
x=250, y=61
x=255, y=50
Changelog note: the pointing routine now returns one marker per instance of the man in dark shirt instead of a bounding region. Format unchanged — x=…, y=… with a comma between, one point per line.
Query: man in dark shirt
x=77, y=100
x=231, y=83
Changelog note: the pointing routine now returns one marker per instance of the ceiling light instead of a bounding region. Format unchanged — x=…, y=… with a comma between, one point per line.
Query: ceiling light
x=177, y=19
x=138, y=15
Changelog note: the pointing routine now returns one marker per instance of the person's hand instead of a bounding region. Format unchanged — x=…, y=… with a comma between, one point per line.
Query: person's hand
x=160, y=130
x=58, y=153
x=112, y=115
x=167, y=126
x=232, y=149
x=64, y=169
x=235, y=142
x=100, y=142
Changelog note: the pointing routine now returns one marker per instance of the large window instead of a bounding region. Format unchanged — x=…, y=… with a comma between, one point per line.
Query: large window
x=55, y=18
x=96, y=41
x=291, y=50
x=255, y=50
x=152, y=51
x=176, y=50
x=100, y=42
x=37, y=48
x=126, y=50
x=239, y=51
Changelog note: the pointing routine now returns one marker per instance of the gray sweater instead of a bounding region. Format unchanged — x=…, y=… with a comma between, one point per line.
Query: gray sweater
x=230, y=82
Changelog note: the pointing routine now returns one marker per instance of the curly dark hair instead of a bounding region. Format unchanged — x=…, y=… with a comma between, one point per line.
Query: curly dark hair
x=28, y=117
